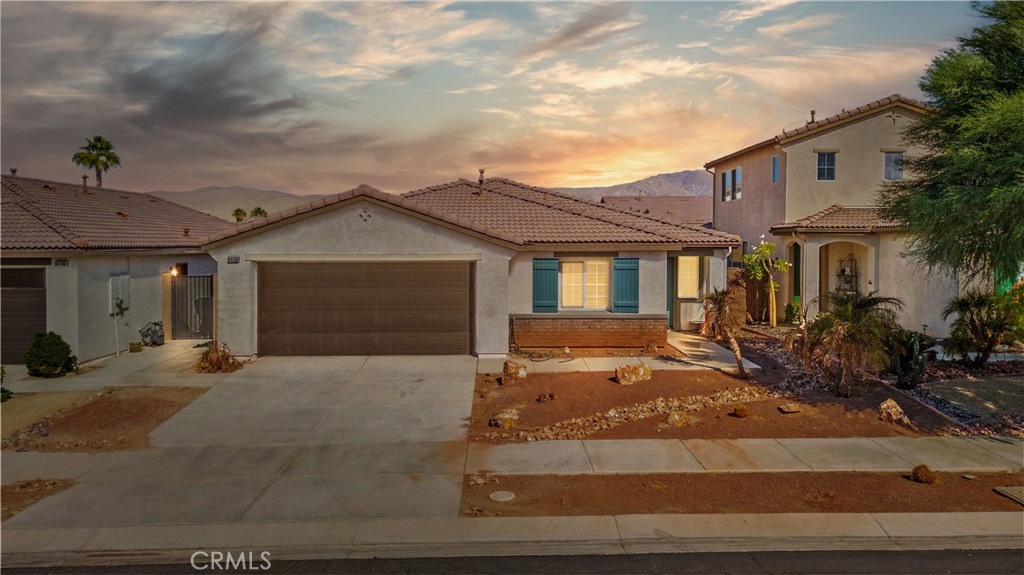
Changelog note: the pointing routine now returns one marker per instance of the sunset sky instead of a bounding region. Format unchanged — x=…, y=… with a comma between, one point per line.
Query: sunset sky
x=319, y=97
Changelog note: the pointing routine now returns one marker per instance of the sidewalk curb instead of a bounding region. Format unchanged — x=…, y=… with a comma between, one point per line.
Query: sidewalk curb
x=451, y=537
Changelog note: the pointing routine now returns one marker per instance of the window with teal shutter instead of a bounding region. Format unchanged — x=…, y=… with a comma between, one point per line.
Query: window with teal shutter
x=626, y=285
x=545, y=285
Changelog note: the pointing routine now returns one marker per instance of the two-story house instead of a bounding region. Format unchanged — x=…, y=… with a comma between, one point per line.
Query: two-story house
x=811, y=191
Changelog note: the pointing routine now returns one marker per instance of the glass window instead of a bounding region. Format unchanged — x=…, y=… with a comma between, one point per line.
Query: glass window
x=737, y=183
x=688, y=277
x=585, y=284
x=775, y=169
x=893, y=166
x=726, y=185
x=826, y=166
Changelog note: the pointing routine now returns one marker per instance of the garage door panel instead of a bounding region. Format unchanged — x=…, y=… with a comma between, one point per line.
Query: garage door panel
x=22, y=311
x=364, y=308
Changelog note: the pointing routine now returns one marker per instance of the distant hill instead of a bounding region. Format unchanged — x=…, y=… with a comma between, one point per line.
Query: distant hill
x=696, y=183
x=221, y=201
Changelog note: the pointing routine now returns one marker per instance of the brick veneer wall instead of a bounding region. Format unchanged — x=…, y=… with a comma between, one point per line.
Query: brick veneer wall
x=588, y=332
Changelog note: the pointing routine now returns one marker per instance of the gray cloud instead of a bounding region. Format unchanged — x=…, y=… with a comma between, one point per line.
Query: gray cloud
x=595, y=27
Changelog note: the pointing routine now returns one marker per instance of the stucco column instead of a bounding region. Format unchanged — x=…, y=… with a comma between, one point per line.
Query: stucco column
x=811, y=277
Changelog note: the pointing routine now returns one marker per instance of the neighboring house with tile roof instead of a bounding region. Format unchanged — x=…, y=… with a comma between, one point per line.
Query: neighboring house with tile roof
x=462, y=267
x=691, y=210
x=810, y=190
x=69, y=249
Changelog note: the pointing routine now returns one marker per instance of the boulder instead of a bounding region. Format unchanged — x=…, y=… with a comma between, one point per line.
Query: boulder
x=790, y=408
x=632, y=373
x=891, y=412
x=512, y=372
x=507, y=419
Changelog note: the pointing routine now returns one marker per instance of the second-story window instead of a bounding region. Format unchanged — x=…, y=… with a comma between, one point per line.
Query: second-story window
x=737, y=183
x=826, y=166
x=893, y=166
x=775, y=169
x=726, y=185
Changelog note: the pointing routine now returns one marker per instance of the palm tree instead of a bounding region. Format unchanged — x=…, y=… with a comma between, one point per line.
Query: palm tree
x=258, y=212
x=852, y=337
x=97, y=154
x=239, y=214
x=723, y=318
x=983, y=319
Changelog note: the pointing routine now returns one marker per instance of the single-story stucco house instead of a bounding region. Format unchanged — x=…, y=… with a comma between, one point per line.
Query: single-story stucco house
x=95, y=265
x=460, y=268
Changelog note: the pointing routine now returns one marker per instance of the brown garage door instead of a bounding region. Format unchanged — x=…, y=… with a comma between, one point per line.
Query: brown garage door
x=407, y=308
x=22, y=311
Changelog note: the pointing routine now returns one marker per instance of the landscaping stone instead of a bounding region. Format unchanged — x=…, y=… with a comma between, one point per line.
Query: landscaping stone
x=677, y=419
x=545, y=397
x=629, y=374
x=512, y=372
x=507, y=419
x=790, y=408
x=891, y=412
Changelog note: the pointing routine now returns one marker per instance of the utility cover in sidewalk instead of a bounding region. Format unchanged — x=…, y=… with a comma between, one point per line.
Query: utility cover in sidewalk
x=1015, y=492
x=502, y=496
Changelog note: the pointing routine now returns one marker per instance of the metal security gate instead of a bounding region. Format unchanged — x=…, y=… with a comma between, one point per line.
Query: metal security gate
x=23, y=294
x=192, y=307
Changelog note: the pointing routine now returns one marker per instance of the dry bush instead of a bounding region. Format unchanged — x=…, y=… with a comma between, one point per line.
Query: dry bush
x=741, y=410
x=922, y=474
x=217, y=359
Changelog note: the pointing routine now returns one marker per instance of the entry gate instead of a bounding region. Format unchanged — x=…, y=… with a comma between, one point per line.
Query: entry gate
x=192, y=307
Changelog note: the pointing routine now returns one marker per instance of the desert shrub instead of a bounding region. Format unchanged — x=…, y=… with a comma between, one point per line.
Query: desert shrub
x=983, y=321
x=848, y=340
x=741, y=410
x=5, y=393
x=49, y=356
x=923, y=474
x=217, y=358
x=907, y=352
x=791, y=314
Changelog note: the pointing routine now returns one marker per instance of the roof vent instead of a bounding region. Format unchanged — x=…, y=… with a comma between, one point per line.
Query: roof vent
x=480, y=184
x=48, y=187
x=813, y=112
x=184, y=231
x=14, y=171
x=123, y=215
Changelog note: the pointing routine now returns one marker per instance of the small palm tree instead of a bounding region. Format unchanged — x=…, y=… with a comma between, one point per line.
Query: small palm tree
x=258, y=212
x=723, y=318
x=983, y=319
x=239, y=214
x=97, y=154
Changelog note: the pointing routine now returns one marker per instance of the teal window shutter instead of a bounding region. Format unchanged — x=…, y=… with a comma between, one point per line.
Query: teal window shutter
x=626, y=285
x=545, y=285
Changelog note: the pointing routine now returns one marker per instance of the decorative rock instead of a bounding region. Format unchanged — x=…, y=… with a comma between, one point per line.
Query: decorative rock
x=512, y=372
x=678, y=419
x=545, y=397
x=507, y=419
x=632, y=373
x=790, y=408
x=891, y=412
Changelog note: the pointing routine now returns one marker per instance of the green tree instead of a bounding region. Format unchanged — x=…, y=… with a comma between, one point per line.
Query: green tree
x=961, y=198
x=239, y=214
x=258, y=212
x=723, y=318
x=762, y=265
x=97, y=154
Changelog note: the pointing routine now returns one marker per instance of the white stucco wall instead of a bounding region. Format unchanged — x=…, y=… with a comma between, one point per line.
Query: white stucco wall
x=77, y=298
x=924, y=294
x=342, y=233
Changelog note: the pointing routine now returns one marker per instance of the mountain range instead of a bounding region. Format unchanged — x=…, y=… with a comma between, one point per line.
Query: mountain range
x=222, y=201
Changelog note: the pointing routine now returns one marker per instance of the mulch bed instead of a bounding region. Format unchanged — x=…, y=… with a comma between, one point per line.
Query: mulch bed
x=116, y=419
x=549, y=495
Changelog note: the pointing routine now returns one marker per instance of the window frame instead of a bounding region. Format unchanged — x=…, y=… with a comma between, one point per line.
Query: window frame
x=609, y=263
x=776, y=168
x=726, y=185
x=826, y=167
x=737, y=182
x=885, y=165
x=700, y=279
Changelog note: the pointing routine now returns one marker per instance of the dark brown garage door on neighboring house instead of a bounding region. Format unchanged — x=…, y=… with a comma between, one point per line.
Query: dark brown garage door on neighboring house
x=409, y=308
x=22, y=310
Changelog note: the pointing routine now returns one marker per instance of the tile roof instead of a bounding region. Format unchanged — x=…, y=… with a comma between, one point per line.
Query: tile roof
x=516, y=214
x=676, y=209
x=42, y=214
x=542, y=216
x=842, y=219
x=812, y=127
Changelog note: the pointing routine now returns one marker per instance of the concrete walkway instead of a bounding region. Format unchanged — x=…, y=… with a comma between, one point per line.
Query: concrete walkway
x=699, y=353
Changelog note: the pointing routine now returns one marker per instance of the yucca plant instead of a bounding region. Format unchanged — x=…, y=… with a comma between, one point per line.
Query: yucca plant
x=723, y=318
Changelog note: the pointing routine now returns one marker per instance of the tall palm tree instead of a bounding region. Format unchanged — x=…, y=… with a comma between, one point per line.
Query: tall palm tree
x=97, y=154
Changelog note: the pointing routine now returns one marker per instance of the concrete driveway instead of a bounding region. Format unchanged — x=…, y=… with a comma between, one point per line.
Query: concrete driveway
x=291, y=439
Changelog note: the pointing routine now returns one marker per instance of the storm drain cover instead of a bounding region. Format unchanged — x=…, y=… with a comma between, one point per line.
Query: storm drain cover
x=502, y=496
